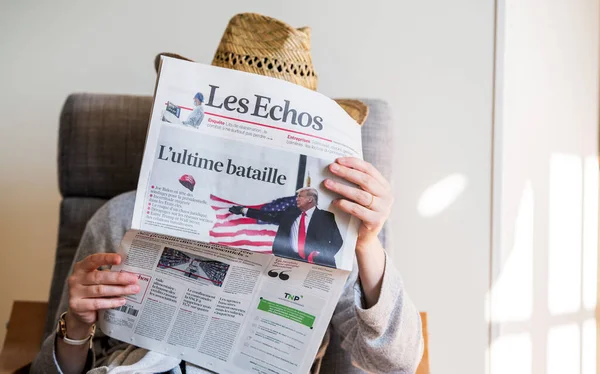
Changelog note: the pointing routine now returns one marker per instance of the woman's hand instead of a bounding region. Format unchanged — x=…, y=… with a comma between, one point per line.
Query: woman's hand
x=91, y=290
x=371, y=202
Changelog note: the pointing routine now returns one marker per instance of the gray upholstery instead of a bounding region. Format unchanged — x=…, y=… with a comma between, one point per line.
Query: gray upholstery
x=101, y=141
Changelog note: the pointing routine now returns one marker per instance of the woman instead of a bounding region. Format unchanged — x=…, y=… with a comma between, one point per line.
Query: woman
x=375, y=326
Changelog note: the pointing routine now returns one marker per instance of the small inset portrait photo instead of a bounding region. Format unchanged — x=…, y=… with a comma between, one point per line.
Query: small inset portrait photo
x=173, y=113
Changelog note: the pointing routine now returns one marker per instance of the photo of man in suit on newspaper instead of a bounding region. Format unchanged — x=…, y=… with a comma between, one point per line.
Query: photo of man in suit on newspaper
x=305, y=232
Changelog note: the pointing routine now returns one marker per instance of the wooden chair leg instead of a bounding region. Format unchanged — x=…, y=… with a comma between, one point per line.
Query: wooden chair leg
x=424, y=365
x=23, y=336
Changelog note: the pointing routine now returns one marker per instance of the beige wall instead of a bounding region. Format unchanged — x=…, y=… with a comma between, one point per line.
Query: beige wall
x=432, y=60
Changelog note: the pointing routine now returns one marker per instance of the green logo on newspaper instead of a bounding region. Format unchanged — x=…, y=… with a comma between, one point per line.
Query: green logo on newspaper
x=289, y=296
x=287, y=312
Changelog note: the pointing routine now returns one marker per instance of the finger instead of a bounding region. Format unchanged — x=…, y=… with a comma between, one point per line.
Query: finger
x=367, y=216
x=109, y=277
x=96, y=260
x=364, y=180
x=357, y=195
x=103, y=290
x=87, y=305
x=365, y=167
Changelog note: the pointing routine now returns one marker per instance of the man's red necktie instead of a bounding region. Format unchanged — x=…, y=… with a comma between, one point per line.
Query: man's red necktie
x=302, y=235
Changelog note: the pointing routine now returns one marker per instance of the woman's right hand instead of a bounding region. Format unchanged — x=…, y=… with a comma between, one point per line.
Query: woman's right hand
x=91, y=290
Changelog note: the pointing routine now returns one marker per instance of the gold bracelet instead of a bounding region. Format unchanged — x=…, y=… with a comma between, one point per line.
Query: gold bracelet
x=61, y=332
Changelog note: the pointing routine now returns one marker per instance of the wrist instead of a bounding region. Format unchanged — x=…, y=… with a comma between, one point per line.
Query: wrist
x=370, y=257
x=77, y=329
x=367, y=245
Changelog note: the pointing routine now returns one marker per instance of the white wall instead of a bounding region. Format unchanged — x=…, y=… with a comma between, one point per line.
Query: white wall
x=545, y=188
x=432, y=60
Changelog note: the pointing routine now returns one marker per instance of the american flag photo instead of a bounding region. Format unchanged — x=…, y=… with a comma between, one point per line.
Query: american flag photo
x=249, y=233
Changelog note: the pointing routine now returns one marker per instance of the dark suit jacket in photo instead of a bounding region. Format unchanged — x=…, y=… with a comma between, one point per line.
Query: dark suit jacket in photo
x=322, y=234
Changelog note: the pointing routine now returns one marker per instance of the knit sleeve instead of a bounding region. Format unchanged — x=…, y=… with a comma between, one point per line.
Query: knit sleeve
x=45, y=362
x=385, y=338
x=102, y=234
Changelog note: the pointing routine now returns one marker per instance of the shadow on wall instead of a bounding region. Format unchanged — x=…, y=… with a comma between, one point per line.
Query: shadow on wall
x=542, y=302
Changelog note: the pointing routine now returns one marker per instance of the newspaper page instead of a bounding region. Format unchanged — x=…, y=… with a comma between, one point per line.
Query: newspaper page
x=225, y=309
x=239, y=251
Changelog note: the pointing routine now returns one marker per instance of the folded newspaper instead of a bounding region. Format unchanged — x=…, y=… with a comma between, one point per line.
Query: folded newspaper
x=241, y=257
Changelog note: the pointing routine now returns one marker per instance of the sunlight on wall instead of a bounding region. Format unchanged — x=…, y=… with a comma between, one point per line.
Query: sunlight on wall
x=563, y=350
x=512, y=293
x=590, y=232
x=439, y=196
x=557, y=337
x=511, y=354
x=588, y=350
x=564, y=234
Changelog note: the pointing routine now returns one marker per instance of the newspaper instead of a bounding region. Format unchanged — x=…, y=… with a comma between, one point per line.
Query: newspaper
x=240, y=255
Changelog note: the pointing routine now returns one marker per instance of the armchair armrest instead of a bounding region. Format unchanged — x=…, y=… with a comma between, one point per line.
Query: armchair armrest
x=424, y=365
x=24, y=335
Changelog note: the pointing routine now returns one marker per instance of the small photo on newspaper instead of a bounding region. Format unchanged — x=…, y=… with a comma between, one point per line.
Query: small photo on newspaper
x=204, y=271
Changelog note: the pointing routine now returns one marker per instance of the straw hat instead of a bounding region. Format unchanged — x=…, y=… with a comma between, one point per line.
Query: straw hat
x=263, y=45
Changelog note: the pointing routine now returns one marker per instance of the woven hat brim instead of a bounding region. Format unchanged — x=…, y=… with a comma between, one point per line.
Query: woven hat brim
x=355, y=108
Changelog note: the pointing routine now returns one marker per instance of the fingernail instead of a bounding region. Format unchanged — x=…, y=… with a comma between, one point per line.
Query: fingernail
x=328, y=182
x=135, y=289
x=122, y=302
x=335, y=167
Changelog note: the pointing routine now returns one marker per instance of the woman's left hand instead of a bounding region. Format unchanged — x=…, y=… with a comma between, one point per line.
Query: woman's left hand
x=371, y=201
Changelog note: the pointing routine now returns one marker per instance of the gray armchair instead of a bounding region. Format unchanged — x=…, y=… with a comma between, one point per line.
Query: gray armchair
x=101, y=141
